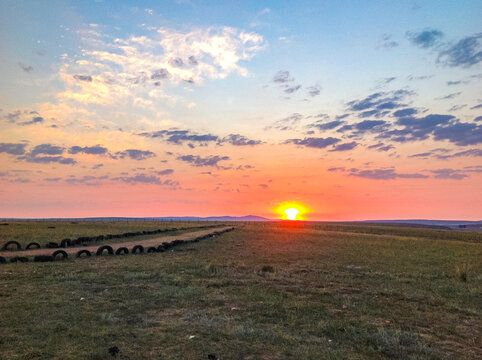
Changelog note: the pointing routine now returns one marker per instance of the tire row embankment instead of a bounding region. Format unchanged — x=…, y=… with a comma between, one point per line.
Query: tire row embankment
x=156, y=245
x=84, y=240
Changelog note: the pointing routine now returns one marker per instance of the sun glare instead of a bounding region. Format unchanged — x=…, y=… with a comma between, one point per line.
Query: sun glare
x=291, y=210
x=291, y=213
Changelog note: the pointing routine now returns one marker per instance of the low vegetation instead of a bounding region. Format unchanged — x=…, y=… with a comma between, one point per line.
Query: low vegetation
x=263, y=291
x=54, y=232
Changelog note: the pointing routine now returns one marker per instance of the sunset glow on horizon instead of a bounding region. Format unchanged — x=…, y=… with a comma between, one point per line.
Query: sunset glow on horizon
x=291, y=210
x=291, y=213
x=340, y=110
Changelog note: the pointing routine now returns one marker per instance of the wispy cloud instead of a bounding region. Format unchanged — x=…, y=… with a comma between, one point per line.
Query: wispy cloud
x=113, y=69
x=465, y=53
x=146, y=179
x=314, y=142
x=13, y=148
x=286, y=82
x=379, y=174
x=345, y=146
x=198, y=161
x=449, y=174
x=165, y=172
x=25, y=68
x=35, y=120
x=180, y=137
x=426, y=38
x=387, y=42
x=91, y=150
x=286, y=123
x=135, y=154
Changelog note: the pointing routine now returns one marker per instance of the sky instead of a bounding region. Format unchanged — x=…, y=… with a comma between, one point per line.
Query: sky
x=354, y=110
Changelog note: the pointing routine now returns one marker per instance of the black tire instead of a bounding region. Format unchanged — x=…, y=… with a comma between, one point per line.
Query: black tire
x=76, y=242
x=34, y=245
x=161, y=248
x=65, y=256
x=13, y=242
x=21, y=259
x=100, y=250
x=52, y=245
x=138, y=249
x=122, y=251
x=84, y=239
x=151, y=249
x=43, y=258
x=82, y=252
x=65, y=243
x=2, y=260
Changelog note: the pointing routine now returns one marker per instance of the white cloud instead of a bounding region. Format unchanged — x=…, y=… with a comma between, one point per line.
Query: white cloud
x=139, y=67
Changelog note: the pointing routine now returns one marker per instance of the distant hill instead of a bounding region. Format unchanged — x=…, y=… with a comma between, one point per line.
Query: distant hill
x=434, y=224
x=215, y=218
x=167, y=218
x=428, y=222
x=237, y=218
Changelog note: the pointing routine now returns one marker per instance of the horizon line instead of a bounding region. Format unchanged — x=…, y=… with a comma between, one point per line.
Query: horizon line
x=207, y=218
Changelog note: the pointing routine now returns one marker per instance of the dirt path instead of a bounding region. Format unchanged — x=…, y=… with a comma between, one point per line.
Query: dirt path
x=93, y=248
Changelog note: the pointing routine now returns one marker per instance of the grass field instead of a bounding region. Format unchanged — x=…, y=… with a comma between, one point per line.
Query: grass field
x=282, y=290
x=43, y=232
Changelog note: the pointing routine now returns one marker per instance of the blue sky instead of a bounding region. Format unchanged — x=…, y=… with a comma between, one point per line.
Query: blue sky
x=385, y=91
x=339, y=43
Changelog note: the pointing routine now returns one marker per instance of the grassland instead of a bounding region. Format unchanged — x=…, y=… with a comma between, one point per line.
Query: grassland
x=263, y=291
x=43, y=232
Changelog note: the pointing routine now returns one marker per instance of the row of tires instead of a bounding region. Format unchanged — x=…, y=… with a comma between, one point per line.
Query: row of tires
x=106, y=249
x=15, y=245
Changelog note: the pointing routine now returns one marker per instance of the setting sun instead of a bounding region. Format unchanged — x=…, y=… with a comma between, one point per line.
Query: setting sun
x=291, y=210
x=291, y=213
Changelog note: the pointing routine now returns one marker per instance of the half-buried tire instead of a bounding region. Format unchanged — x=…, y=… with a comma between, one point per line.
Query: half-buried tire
x=82, y=252
x=52, y=245
x=161, y=248
x=2, y=260
x=21, y=259
x=138, y=249
x=100, y=250
x=122, y=251
x=62, y=253
x=33, y=245
x=151, y=249
x=65, y=243
x=13, y=242
x=76, y=242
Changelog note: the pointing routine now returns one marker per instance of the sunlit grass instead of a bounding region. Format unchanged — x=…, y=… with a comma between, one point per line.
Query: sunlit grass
x=265, y=291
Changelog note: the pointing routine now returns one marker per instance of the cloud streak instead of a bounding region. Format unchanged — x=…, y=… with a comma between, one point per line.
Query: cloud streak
x=142, y=178
x=12, y=148
x=198, y=161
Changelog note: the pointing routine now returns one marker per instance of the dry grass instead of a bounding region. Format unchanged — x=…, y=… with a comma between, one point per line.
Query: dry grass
x=332, y=294
x=45, y=231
